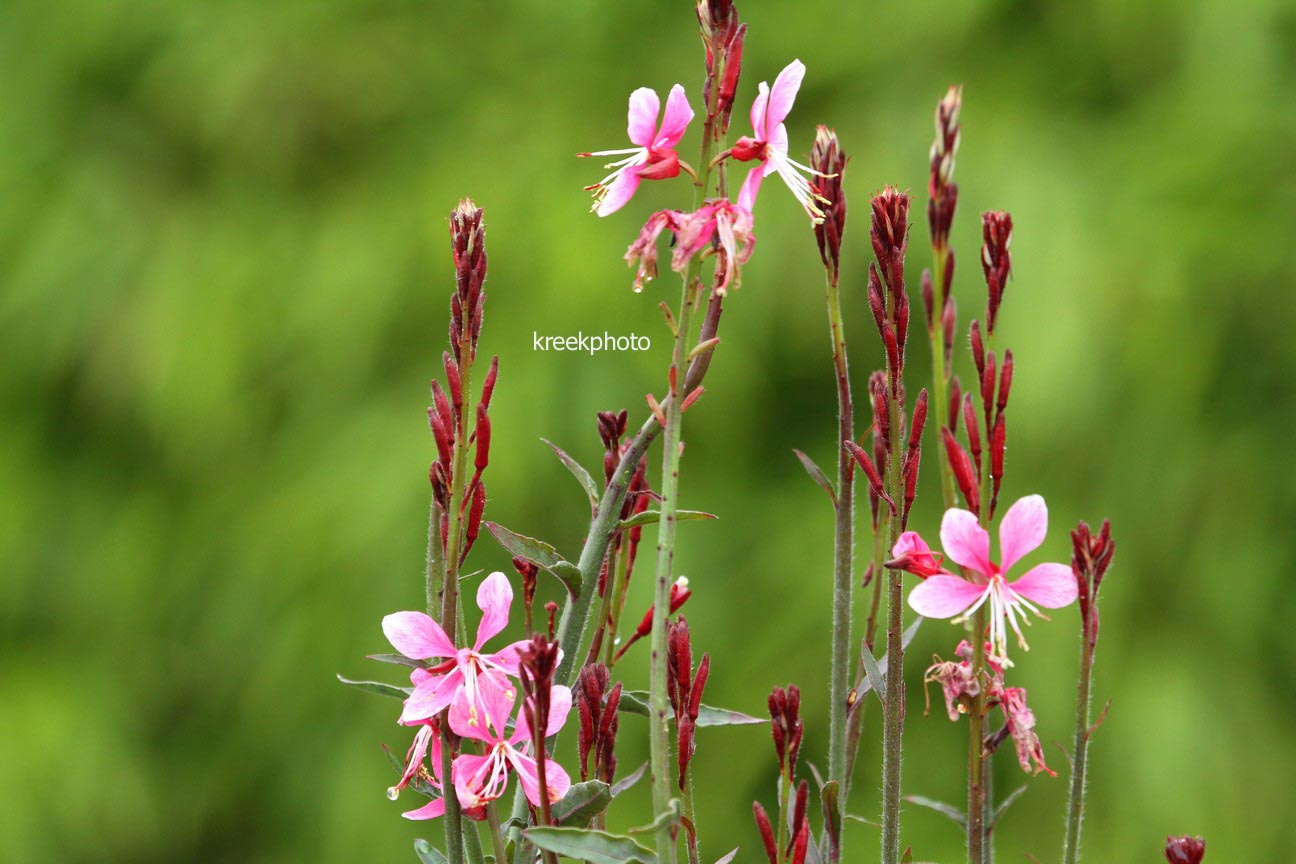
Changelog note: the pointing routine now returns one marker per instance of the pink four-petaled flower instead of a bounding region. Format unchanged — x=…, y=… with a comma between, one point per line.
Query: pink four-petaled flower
x=425, y=740
x=653, y=157
x=769, y=143
x=1021, y=531
x=482, y=778
x=418, y=637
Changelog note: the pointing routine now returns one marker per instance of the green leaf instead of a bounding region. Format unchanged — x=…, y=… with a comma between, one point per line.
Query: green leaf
x=378, y=687
x=569, y=574
x=578, y=471
x=674, y=810
x=520, y=546
x=829, y=795
x=626, y=782
x=398, y=659
x=871, y=672
x=1005, y=804
x=730, y=857
x=817, y=475
x=582, y=803
x=648, y=517
x=949, y=811
x=851, y=817
x=588, y=844
x=636, y=702
x=905, y=638
x=427, y=853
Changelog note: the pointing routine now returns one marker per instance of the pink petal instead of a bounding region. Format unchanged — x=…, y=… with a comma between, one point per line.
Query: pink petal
x=507, y=657
x=910, y=543
x=482, y=718
x=965, y=541
x=1049, y=585
x=619, y=191
x=472, y=776
x=416, y=635
x=494, y=597
x=942, y=596
x=1022, y=530
x=556, y=778
x=642, y=126
x=783, y=94
x=676, y=119
x=758, y=111
x=778, y=143
x=747, y=194
x=560, y=703
x=430, y=697
x=430, y=810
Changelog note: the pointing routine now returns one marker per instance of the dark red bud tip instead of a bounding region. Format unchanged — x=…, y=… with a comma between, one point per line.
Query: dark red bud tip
x=929, y=301
x=964, y=475
x=1185, y=850
x=488, y=386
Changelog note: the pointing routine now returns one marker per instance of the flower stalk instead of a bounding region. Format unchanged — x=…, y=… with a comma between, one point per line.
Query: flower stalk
x=829, y=162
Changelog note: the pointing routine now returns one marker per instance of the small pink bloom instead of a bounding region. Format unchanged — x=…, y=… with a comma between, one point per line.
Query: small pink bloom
x=912, y=554
x=966, y=543
x=654, y=157
x=716, y=223
x=482, y=778
x=1021, y=726
x=425, y=740
x=420, y=638
x=769, y=144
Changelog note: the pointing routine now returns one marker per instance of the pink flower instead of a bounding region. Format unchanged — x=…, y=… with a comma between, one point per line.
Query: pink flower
x=425, y=739
x=717, y=222
x=1021, y=726
x=770, y=144
x=420, y=638
x=482, y=778
x=1021, y=531
x=912, y=554
x=654, y=158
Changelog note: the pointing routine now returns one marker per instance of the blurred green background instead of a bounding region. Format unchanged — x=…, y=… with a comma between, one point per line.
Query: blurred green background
x=224, y=274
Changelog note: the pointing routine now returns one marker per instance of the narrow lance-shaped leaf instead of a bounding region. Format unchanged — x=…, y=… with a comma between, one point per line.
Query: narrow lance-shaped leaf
x=949, y=811
x=636, y=702
x=648, y=517
x=427, y=853
x=629, y=780
x=817, y=475
x=379, y=687
x=1007, y=802
x=578, y=471
x=588, y=844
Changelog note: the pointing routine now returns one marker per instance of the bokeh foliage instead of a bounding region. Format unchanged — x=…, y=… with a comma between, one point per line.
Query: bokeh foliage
x=223, y=287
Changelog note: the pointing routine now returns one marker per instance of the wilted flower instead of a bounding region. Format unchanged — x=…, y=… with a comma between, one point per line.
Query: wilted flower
x=654, y=157
x=425, y=740
x=723, y=226
x=1021, y=726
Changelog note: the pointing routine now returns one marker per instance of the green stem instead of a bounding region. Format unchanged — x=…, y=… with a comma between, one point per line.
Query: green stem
x=940, y=375
x=472, y=845
x=843, y=551
x=1080, y=756
x=855, y=722
x=785, y=784
x=618, y=589
x=453, y=812
x=893, y=717
x=690, y=812
x=496, y=835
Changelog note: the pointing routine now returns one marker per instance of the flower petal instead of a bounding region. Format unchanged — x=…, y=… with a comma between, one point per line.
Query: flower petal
x=484, y=717
x=747, y=194
x=494, y=597
x=675, y=120
x=477, y=778
x=758, y=111
x=507, y=657
x=965, y=541
x=778, y=143
x=560, y=703
x=619, y=191
x=782, y=95
x=642, y=125
x=1022, y=530
x=1049, y=585
x=556, y=778
x=416, y=635
x=910, y=543
x=430, y=810
x=430, y=697
x=942, y=596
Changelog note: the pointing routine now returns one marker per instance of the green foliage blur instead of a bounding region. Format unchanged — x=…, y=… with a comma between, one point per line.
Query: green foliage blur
x=224, y=277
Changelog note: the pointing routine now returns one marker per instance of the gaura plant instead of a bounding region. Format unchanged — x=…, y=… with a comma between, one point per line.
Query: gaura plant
x=482, y=717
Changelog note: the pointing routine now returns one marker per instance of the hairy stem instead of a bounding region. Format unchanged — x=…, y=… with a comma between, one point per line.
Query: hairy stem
x=893, y=719
x=1080, y=755
x=940, y=376
x=496, y=835
x=843, y=552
